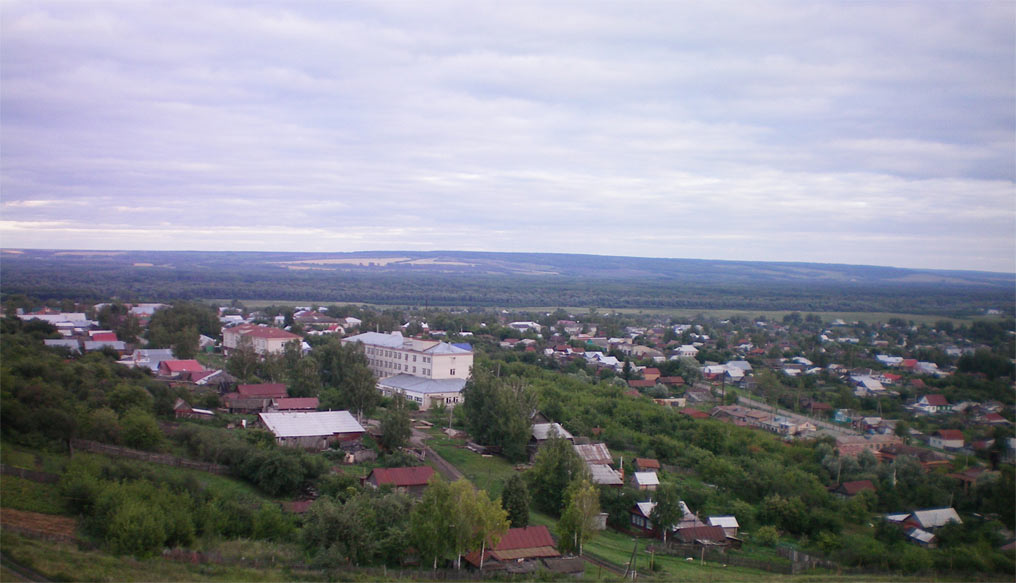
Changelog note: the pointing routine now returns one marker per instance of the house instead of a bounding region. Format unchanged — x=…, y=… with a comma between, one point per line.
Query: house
x=641, y=384
x=853, y=445
x=640, y=518
x=727, y=522
x=294, y=404
x=932, y=518
x=425, y=392
x=117, y=345
x=921, y=537
x=263, y=339
x=392, y=354
x=704, y=535
x=543, y=431
x=643, y=464
x=694, y=413
x=645, y=481
x=604, y=475
x=517, y=546
x=947, y=439
x=183, y=410
x=412, y=481
x=175, y=368
x=254, y=398
x=150, y=357
x=594, y=453
x=686, y=351
x=312, y=429
x=651, y=374
x=932, y=404
x=851, y=489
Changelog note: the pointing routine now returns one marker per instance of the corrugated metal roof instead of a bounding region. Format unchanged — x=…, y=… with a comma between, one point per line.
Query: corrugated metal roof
x=263, y=390
x=647, y=478
x=724, y=521
x=594, y=453
x=541, y=431
x=310, y=423
x=406, y=382
x=604, y=475
x=936, y=517
x=403, y=477
x=527, y=537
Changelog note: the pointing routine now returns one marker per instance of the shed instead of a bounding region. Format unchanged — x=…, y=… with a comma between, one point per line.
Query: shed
x=312, y=429
x=645, y=481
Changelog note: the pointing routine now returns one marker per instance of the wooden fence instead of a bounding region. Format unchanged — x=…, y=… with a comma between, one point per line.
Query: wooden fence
x=33, y=475
x=156, y=458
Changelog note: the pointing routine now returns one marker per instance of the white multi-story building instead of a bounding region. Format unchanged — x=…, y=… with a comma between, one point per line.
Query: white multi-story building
x=395, y=359
x=392, y=354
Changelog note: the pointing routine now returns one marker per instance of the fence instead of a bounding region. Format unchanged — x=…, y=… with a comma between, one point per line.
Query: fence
x=156, y=458
x=718, y=556
x=33, y=475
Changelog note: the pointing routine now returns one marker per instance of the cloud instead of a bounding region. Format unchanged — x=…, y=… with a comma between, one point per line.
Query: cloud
x=805, y=131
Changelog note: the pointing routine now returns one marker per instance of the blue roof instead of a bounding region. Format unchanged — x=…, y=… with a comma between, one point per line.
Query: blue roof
x=463, y=346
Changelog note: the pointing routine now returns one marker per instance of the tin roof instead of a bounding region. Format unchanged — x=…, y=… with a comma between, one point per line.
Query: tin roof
x=310, y=423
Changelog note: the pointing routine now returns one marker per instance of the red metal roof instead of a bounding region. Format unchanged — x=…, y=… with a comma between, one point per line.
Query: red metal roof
x=936, y=400
x=525, y=538
x=950, y=434
x=707, y=533
x=266, y=390
x=182, y=365
x=403, y=477
x=645, y=463
x=104, y=337
x=641, y=383
x=297, y=403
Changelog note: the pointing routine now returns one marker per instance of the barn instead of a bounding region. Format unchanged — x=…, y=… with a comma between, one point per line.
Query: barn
x=312, y=429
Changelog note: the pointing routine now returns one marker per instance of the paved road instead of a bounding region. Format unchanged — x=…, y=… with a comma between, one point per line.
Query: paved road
x=748, y=402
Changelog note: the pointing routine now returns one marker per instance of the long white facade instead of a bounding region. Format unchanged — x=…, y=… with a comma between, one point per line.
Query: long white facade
x=392, y=354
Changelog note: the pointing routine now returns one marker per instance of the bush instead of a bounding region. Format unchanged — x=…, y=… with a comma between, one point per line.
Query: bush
x=766, y=536
x=140, y=430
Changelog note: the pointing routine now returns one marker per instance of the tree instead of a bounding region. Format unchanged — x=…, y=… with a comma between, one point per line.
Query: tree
x=667, y=511
x=515, y=499
x=359, y=388
x=242, y=362
x=578, y=521
x=429, y=521
x=395, y=424
x=489, y=521
x=556, y=465
x=497, y=411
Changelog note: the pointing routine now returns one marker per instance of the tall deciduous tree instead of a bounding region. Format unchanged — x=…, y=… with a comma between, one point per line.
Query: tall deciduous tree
x=667, y=511
x=578, y=521
x=498, y=410
x=395, y=424
x=556, y=465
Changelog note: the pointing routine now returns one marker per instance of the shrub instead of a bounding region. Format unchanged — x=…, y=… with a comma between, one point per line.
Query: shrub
x=766, y=536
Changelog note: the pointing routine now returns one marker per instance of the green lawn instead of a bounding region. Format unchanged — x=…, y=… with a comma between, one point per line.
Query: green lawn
x=485, y=472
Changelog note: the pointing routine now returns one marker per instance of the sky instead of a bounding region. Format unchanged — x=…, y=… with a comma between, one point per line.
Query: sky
x=877, y=133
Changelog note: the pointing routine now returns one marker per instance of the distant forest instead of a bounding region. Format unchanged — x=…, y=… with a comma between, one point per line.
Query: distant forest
x=502, y=280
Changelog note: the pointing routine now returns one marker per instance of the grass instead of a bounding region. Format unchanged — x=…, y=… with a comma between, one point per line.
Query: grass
x=485, y=472
x=65, y=562
x=22, y=494
x=20, y=457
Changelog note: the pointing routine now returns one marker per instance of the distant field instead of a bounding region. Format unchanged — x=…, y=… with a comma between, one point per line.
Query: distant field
x=772, y=315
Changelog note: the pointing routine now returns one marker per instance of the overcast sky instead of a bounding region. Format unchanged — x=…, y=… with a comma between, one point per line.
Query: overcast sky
x=868, y=133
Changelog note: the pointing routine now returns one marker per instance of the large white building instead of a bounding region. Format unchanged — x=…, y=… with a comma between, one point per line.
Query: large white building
x=392, y=354
x=395, y=359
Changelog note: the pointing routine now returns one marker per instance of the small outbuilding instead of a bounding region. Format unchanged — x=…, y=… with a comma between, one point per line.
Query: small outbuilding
x=312, y=429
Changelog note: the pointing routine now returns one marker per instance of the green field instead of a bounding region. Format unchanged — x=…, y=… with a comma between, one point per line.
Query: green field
x=485, y=472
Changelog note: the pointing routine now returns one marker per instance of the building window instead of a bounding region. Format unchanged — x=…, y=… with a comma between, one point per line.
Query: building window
x=414, y=369
x=451, y=371
x=414, y=358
